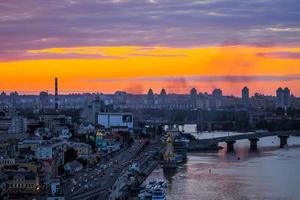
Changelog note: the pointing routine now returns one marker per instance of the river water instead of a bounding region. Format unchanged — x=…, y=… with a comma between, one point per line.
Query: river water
x=270, y=173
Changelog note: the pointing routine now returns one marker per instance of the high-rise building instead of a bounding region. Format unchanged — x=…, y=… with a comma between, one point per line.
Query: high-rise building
x=162, y=96
x=193, y=94
x=150, y=97
x=217, y=92
x=245, y=97
x=217, y=98
x=44, y=99
x=283, y=98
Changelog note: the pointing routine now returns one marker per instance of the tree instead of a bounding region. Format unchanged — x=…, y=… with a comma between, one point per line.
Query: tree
x=70, y=155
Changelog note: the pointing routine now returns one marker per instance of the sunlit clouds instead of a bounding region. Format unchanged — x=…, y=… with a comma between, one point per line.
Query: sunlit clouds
x=108, y=45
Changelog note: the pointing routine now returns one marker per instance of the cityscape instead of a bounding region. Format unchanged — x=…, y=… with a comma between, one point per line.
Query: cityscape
x=149, y=100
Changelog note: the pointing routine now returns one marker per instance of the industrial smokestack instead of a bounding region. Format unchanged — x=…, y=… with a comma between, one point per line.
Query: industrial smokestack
x=56, y=94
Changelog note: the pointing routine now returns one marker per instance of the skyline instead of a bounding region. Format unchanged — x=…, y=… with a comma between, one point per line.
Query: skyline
x=109, y=45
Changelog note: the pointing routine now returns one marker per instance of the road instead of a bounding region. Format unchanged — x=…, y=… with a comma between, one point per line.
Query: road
x=97, y=181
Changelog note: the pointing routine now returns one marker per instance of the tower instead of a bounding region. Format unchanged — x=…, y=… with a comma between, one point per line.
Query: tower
x=245, y=97
x=56, y=94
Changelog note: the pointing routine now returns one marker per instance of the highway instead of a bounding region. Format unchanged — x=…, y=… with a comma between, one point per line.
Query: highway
x=98, y=181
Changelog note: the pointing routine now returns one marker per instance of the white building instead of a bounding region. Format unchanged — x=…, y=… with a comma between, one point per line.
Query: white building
x=109, y=120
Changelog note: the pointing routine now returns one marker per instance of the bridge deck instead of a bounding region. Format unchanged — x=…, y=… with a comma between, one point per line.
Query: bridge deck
x=247, y=136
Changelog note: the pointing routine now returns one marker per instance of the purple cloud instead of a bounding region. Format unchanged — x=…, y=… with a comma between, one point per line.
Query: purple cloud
x=282, y=54
x=35, y=24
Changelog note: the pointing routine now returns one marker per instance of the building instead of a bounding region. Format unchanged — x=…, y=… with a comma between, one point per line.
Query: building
x=4, y=186
x=22, y=181
x=55, y=191
x=108, y=142
x=283, y=98
x=29, y=145
x=44, y=100
x=245, y=97
x=63, y=132
x=193, y=94
x=13, y=125
x=52, y=149
x=109, y=120
x=83, y=150
x=8, y=148
x=7, y=161
x=216, y=98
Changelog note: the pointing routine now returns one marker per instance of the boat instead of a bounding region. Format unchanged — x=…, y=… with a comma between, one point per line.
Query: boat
x=158, y=194
x=180, y=147
x=154, y=190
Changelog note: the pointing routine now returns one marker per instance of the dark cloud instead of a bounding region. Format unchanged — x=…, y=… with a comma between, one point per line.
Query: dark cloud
x=35, y=24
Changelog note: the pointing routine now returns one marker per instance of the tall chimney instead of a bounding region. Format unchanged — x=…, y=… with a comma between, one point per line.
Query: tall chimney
x=56, y=94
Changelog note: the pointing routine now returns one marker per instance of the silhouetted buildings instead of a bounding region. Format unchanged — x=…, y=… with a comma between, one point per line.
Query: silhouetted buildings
x=283, y=98
x=245, y=97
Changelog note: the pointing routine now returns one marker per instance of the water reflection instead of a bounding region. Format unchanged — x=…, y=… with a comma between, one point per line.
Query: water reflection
x=268, y=173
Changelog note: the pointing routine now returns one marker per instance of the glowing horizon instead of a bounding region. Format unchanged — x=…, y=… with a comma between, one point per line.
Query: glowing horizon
x=135, y=69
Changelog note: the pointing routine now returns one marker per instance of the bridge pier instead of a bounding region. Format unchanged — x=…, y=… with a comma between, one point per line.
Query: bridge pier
x=230, y=147
x=253, y=143
x=283, y=140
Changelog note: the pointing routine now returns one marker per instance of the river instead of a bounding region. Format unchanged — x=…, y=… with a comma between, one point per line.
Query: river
x=270, y=173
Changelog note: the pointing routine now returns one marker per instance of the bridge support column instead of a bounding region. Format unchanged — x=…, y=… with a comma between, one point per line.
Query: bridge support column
x=230, y=147
x=253, y=143
x=283, y=140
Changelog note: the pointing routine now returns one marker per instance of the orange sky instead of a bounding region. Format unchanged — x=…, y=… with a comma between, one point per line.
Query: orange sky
x=97, y=69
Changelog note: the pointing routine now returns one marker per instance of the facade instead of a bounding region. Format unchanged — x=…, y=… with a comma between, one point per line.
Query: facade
x=55, y=190
x=109, y=120
x=83, y=150
x=13, y=124
x=7, y=161
x=52, y=150
x=245, y=97
x=22, y=181
x=29, y=145
x=283, y=98
x=4, y=186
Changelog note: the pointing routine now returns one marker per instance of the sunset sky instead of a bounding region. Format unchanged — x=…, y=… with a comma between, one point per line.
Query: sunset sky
x=132, y=45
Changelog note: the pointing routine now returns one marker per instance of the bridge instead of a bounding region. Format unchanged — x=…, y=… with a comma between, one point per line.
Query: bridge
x=252, y=137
